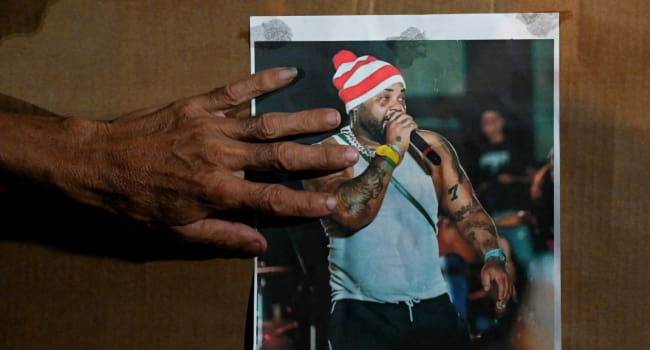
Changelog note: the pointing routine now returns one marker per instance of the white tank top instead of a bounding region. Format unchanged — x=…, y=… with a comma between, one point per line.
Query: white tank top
x=395, y=257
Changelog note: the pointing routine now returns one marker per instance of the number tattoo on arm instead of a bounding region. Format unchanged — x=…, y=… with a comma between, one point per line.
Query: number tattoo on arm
x=473, y=222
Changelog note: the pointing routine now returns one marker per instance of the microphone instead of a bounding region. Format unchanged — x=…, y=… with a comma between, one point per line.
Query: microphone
x=427, y=152
x=421, y=145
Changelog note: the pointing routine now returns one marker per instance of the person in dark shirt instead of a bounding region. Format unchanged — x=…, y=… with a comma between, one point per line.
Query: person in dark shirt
x=501, y=170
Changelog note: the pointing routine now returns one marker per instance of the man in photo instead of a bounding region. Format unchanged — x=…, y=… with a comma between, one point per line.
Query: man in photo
x=388, y=291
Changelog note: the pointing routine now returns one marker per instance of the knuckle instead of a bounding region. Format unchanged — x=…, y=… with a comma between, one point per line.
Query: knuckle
x=184, y=109
x=256, y=84
x=282, y=153
x=272, y=199
x=267, y=127
x=305, y=121
x=183, y=105
x=310, y=205
x=227, y=96
x=333, y=155
x=326, y=155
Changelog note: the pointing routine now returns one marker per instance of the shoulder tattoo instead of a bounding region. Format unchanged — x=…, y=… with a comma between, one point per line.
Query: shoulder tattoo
x=454, y=158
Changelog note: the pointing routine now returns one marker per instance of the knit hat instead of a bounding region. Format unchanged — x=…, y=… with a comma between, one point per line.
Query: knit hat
x=358, y=79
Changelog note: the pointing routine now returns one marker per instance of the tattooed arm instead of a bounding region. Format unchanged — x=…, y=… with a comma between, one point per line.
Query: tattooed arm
x=475, y=225
x=358, y=198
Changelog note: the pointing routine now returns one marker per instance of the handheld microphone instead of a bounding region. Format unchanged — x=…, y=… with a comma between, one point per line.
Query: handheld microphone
x=421, y=145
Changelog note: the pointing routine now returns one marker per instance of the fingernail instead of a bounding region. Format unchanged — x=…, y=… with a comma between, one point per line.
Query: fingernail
x=331, y=202
x=288, y=73
x=351, y=154
x=332, y=118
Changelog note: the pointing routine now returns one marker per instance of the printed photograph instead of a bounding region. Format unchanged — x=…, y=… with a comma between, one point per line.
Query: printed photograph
x=445, y=231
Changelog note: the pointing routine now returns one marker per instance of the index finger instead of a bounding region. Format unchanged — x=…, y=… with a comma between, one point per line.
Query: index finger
x=234, y=94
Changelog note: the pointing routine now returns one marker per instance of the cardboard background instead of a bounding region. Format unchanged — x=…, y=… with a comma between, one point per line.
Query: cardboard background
x=101, y=59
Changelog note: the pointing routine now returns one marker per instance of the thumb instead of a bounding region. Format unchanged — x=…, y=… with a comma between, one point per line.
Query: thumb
x=227, y=235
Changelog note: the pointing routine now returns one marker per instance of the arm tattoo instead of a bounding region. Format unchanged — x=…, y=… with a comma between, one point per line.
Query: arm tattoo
x=454, y=158
x=453, y=192
x=485, y=244
x=471, y=237
x=358, y=192
x=489, y=244
x=460, y=215
x=483, y=226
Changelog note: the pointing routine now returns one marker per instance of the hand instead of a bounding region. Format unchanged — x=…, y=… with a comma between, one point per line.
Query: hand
x=178, y=165
x=399, y=126
x=494, y=276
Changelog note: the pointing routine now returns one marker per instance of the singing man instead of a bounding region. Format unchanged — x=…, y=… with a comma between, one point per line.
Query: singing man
x=388, y=290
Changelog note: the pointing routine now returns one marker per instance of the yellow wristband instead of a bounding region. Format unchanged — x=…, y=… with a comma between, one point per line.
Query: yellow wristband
x=387, y=152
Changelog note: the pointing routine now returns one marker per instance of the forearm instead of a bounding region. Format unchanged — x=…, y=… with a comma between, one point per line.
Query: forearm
x=45, y=149
x=479, y=230
x=360, y=198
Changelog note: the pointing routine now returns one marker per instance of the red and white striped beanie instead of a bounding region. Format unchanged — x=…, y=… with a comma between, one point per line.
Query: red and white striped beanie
x=360, y=78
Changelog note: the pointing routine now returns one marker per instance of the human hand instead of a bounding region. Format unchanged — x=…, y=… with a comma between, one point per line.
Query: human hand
x=178, y=165
x=497, y=282
x=398, y=126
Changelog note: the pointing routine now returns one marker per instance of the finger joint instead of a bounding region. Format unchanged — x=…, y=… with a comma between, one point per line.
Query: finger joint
x=272, y=200
x=267, y=127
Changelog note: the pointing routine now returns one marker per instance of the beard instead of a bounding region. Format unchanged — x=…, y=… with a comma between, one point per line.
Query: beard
x=372, y=126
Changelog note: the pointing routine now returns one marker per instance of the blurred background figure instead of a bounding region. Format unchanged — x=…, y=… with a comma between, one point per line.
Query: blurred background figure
x=502, y=176
x=542, y=200
x=502, y=171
